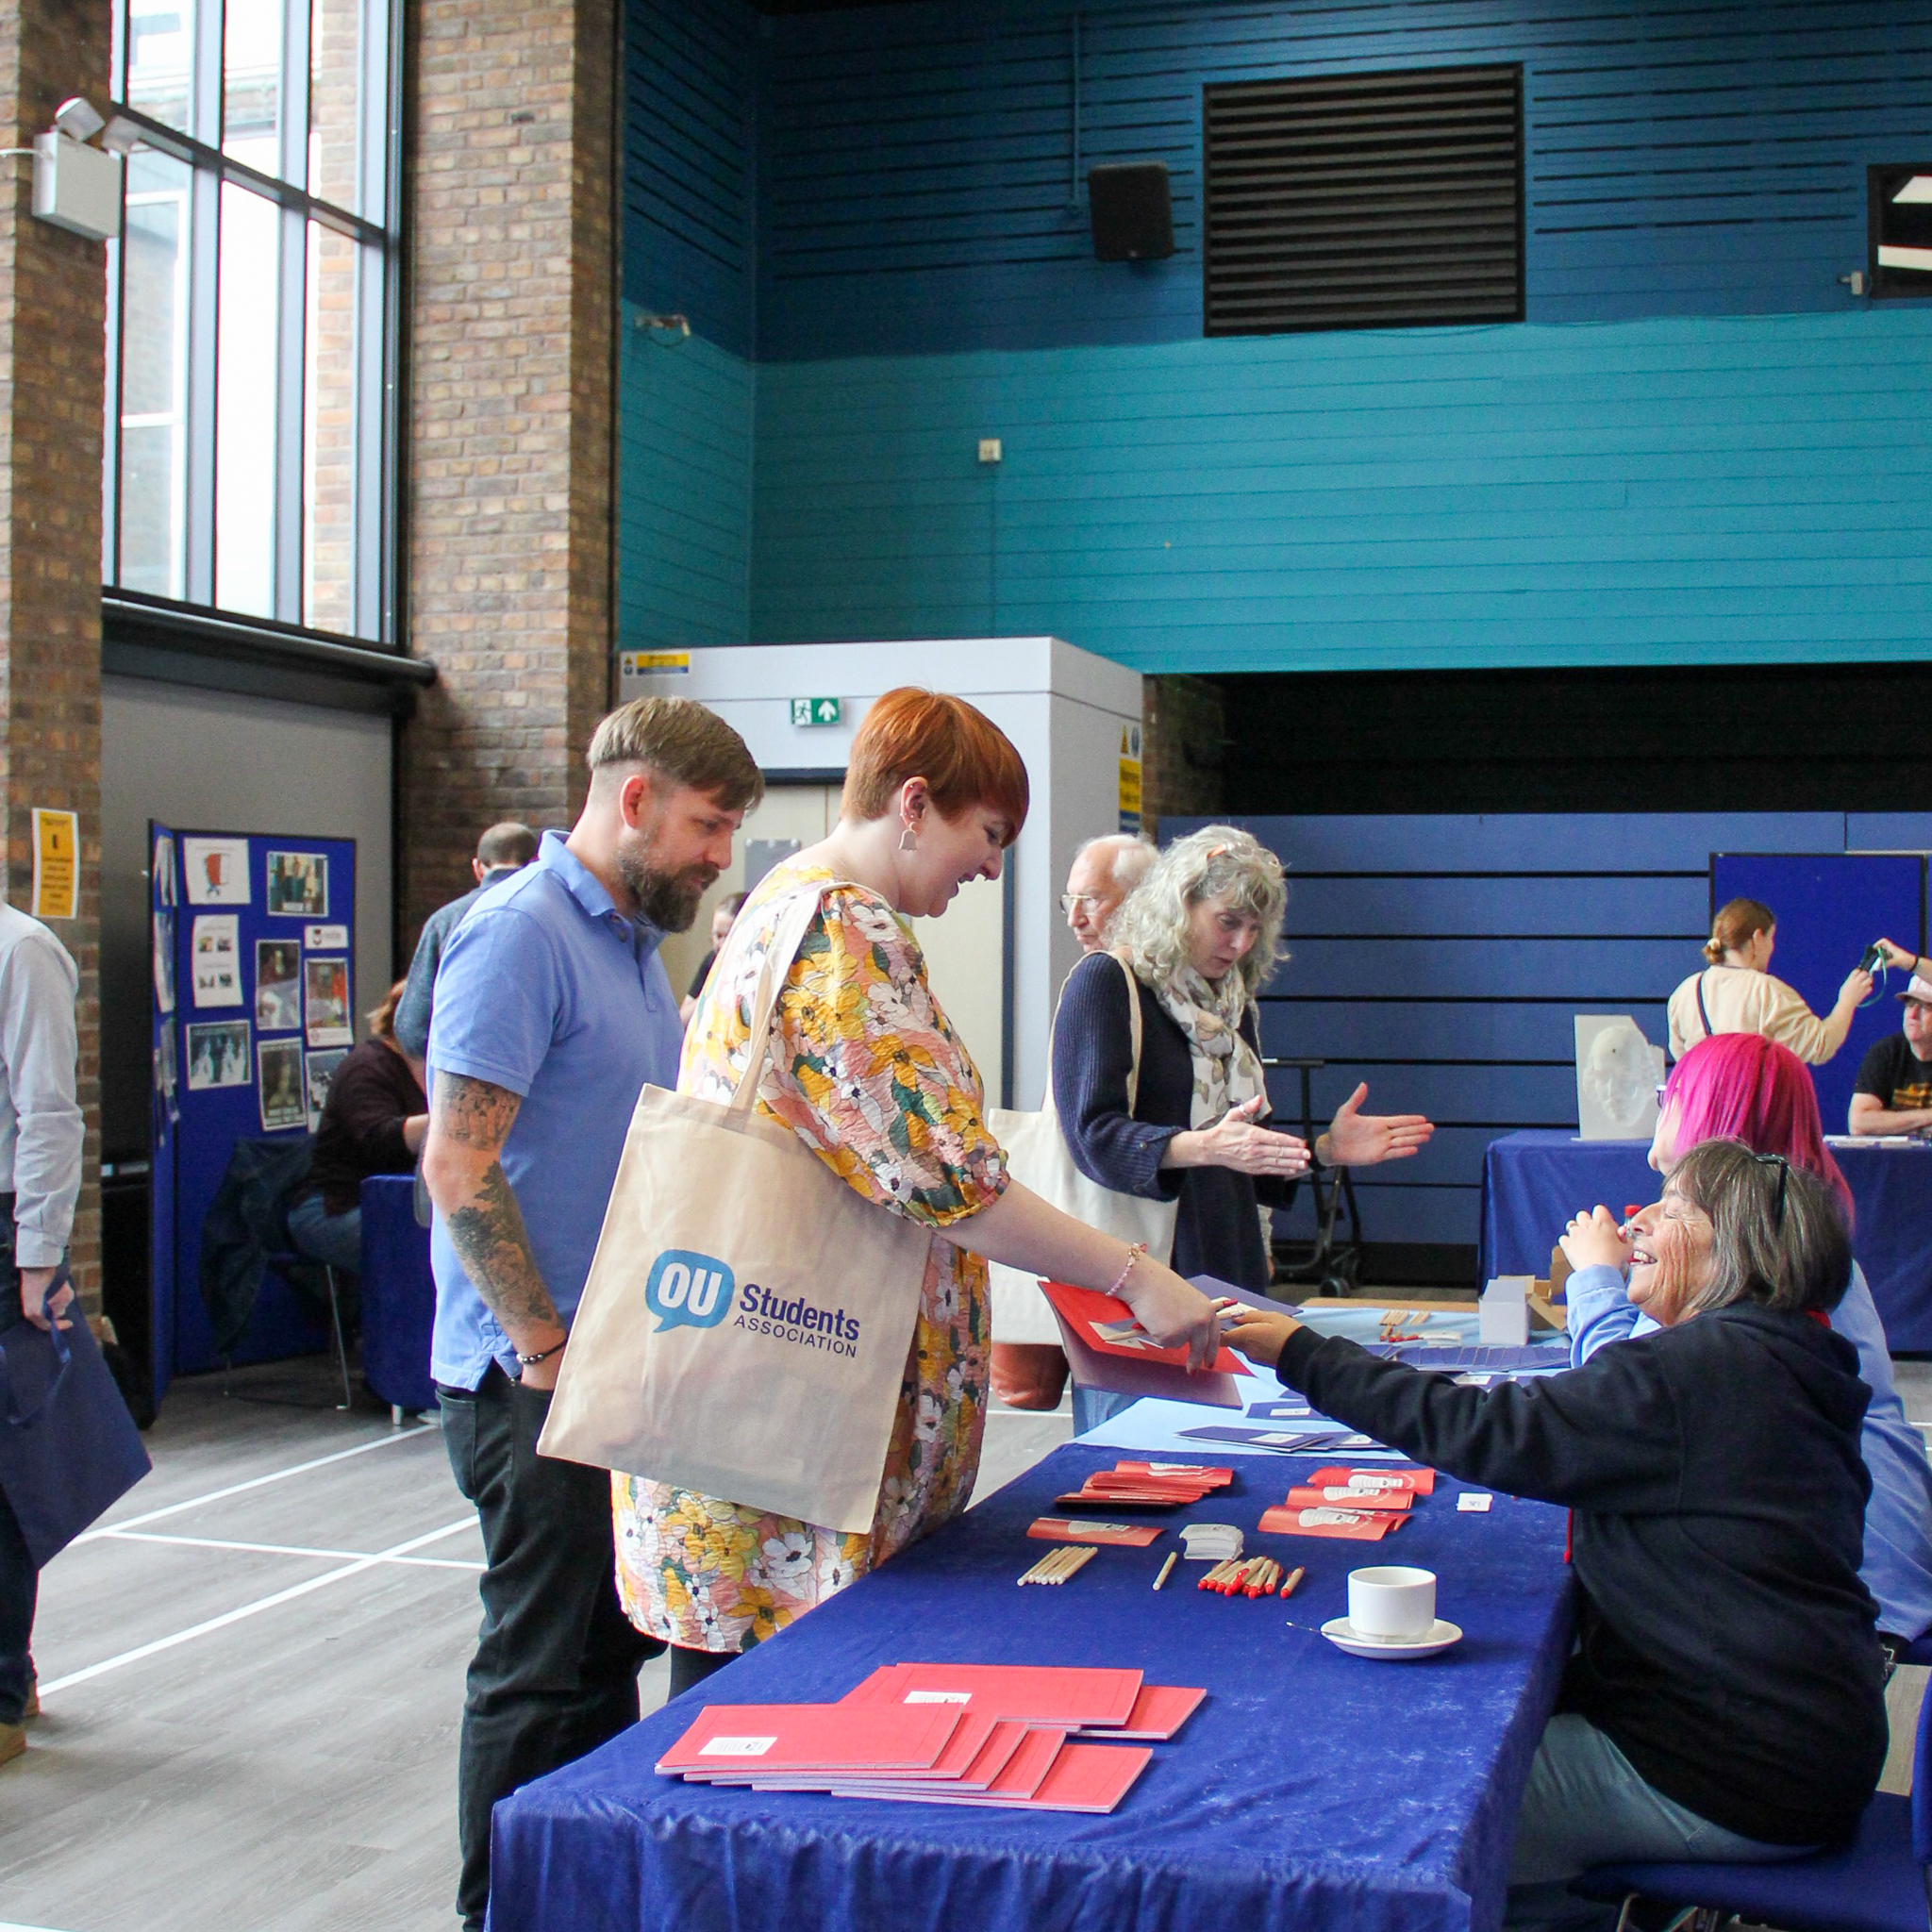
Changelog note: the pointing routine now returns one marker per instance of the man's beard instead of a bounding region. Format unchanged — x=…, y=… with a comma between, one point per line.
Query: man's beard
x=668, y=899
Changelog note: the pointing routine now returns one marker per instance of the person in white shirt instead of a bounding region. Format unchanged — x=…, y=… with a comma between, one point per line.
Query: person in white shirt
x=1737, y=993
x=40, y=1134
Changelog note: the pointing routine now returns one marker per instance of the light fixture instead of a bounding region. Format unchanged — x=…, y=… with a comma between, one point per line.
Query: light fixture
x=121, y=136
x=1918, y=188
x=672, y=326
x=79, y=119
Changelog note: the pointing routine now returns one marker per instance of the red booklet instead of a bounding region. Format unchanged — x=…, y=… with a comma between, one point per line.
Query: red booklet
x=1069, y=1695
x=1022, y=1773
x=1417, y=1482
x=1073, y=1529
x=964, y=1749
x=1358, y=1525
x=1159, y=1712
x=1346, y=1497
x=1206, y=1476
x=737, y=1740
x=1107, y=1324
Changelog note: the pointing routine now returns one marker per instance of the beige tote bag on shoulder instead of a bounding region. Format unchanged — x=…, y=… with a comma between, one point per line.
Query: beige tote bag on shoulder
x=1038, y=1157
x=744, y=1328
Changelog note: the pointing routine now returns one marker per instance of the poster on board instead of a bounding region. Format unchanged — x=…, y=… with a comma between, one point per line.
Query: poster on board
x=326, y=1003
x=217, y=955
x=283, y=1105
x=299, y=885
x=164, y=961
x=215, y=870
x=277, y=986
x=321, y=1071
x=164, y=871
x=169, y=1072
x=57, y=863
x=218, y=1055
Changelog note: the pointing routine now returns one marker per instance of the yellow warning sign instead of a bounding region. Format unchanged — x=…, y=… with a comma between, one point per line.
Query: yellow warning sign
x=56, y=864
x=1130, y=778
x=655, y=663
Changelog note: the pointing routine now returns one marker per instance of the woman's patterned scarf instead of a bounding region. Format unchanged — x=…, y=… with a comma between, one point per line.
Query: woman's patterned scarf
x=1228, y=1071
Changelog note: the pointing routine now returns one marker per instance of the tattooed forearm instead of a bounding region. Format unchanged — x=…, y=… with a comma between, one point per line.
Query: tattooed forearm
x=472, y=1113
x=469, y=1122
x=488, y=1234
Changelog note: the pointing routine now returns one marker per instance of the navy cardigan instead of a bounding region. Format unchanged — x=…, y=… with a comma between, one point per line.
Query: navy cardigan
x=1218, y=1231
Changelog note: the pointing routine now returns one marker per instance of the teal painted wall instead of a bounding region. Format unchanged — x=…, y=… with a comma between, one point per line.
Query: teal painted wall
x=685, y=423
x=1663, y=490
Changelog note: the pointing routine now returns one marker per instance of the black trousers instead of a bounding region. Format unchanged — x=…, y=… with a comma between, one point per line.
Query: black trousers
x=556, y=1669
x=20, y=1582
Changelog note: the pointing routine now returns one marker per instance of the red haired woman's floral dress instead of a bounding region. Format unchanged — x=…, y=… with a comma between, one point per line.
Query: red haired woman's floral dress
x=867, y=1072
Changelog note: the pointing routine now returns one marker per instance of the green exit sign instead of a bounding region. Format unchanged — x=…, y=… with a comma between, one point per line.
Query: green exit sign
x=818, y=710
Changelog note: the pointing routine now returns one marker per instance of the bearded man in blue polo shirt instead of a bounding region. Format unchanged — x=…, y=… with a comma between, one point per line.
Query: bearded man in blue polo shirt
x=552, y=1009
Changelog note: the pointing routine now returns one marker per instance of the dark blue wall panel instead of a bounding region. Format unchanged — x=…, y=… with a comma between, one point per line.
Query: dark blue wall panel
x=920, y=192
x=1442, y=960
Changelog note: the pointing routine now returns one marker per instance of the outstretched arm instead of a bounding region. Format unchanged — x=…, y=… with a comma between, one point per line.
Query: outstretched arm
x=462, y=1168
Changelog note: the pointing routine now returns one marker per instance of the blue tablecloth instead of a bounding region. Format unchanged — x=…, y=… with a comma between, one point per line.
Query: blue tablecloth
x=1312, y=1790
x=398, y=1293
x=1532, y=1184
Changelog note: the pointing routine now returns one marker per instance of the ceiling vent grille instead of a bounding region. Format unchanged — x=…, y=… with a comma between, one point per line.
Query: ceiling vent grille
x=1364, y=201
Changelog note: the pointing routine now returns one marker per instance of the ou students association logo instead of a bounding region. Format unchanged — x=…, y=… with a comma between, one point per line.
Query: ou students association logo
x=689, y=1290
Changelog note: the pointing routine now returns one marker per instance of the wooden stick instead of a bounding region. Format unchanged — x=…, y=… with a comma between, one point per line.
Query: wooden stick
x=1173, y=1557
x=1075, y=1559
x=1213, y=1577
x=1296, y=1576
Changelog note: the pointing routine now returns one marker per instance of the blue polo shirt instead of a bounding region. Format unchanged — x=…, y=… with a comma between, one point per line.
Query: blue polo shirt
x=547, y=990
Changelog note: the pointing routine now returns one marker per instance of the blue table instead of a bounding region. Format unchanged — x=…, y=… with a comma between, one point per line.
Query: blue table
x=1311, y=1790
x=1533, y=1182
x=398, y=1294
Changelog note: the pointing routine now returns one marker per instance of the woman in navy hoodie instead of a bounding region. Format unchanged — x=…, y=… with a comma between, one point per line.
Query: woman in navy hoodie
x=1725, y=1700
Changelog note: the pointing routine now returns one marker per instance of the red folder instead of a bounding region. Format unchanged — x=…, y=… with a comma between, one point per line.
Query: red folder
x=956, y=1763
x=1356, y=1525
x=739, y=1741
x=1420, y=1482
x=1054, y=1695
x=1073, y=1529
x=1105, y=1325
x=1025, y=1770
x=1159, y=1712
x=1084, y=1777
x=1390, y=1501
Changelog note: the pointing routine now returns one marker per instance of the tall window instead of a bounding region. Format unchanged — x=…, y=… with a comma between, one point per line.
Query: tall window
x=251, y=314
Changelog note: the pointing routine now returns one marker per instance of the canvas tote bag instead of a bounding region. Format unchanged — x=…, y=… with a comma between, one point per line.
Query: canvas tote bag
x=1038, y=1157
x=744, y=1328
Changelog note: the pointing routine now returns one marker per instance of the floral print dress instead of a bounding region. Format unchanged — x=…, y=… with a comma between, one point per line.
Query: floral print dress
x=867, y=1072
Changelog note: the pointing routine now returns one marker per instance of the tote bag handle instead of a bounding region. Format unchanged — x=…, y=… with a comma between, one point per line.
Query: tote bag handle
x=1120, y=959
x=787, y=937
x=64, y=1354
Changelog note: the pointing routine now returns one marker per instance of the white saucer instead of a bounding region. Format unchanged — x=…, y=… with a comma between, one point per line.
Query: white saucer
x=1344, y=1635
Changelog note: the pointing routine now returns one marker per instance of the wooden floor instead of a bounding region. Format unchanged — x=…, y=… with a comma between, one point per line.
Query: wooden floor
x=252, y=1677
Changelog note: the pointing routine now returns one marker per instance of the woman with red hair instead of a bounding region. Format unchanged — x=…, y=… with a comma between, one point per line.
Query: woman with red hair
x=867, y=1070
x=1742, y=1087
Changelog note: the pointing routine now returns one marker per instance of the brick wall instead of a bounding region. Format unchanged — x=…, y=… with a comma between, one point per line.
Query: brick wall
x=1183, y=732
x=511, y=407
x=52, y=291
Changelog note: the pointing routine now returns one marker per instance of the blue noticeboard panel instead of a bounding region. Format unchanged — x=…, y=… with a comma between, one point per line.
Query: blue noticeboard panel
x=262, y=947
x=1830, y=906
x=163, y=1098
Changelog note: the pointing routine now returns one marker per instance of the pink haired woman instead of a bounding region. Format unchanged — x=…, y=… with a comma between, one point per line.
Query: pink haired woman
x=1742, y=1087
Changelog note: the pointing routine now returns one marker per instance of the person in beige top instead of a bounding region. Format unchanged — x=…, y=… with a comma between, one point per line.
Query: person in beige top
x=1736, y=994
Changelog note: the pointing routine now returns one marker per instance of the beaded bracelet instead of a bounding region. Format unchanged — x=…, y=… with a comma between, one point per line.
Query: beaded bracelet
x=1135, y=1251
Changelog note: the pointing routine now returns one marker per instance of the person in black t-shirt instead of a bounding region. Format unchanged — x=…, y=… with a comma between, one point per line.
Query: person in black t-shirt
x=722, y=917
x=1893, y=1091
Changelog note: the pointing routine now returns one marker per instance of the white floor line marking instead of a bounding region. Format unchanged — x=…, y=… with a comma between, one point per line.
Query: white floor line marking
x=254, y=1608
x=253, y=1483
x=216, y=1543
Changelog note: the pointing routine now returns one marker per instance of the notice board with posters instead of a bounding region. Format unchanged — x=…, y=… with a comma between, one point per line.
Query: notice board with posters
x=254, y=1003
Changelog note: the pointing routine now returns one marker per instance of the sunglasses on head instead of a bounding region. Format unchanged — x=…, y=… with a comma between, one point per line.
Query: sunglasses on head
x=1784, y=1175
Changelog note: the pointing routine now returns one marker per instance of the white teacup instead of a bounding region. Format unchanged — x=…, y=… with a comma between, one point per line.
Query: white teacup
x=1394, y=1602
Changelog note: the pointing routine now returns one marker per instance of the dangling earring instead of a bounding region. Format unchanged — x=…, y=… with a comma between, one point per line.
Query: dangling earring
x=909, y=840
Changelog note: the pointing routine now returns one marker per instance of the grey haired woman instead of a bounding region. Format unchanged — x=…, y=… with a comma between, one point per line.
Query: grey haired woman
x=1200, y=935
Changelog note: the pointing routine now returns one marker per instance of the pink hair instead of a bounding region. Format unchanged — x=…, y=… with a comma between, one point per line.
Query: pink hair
x=1742, y=1087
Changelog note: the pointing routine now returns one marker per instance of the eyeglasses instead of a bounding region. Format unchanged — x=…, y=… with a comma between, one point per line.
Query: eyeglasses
x=1069, y=900
x=1784, y=1175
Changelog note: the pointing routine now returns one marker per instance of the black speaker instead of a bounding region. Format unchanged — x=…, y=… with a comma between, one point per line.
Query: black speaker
x=1131, y=211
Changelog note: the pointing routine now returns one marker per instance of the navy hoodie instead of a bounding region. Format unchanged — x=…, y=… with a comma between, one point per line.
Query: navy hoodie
x=1725, y=1643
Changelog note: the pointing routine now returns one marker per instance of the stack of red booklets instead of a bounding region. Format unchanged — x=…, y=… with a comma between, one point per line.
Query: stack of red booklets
x=1148, y=1485
x=948, y=1734
x=1361, y=1504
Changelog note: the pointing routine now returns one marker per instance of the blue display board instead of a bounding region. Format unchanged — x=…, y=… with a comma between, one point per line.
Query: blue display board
x=255, y=1005
x=1831, y=907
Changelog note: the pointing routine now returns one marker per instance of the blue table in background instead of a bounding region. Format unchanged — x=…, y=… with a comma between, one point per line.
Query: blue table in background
x=398, y=1294
x=1311, y=1790
x=1533, y=1182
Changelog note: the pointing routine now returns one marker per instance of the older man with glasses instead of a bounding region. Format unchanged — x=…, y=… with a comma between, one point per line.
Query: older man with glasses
x=1104, y=872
